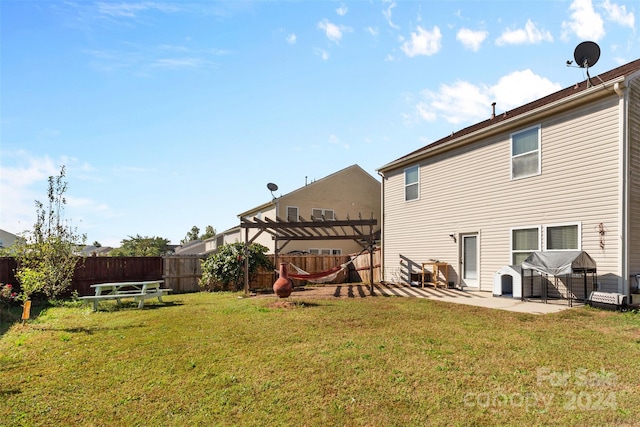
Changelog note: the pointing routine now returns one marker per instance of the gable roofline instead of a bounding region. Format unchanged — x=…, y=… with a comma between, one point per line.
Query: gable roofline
x=569, y=97
x=270, y=203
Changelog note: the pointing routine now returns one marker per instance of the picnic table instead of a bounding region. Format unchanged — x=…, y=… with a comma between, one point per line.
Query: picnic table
x=139, y=291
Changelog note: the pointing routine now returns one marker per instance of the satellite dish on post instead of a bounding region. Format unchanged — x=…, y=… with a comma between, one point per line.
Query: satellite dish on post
x=586, y=54
x=272, y=187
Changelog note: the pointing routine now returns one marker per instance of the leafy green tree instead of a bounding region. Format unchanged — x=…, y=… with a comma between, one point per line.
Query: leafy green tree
x=225, y=268
x=191, y=235
x=194, y=234
x=142, y=246
x=47, y=255
x=209, y=232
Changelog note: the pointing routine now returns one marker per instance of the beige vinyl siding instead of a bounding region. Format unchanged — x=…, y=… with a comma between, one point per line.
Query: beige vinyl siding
x=469, y=189
x=350, y=193
x=265, y=239
x=634, y=178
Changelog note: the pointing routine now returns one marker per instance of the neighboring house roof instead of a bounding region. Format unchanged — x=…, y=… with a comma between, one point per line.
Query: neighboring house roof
x=7, y=239
x=515, y=117
x=193, y=247
x=91, y=250
x=269, y=203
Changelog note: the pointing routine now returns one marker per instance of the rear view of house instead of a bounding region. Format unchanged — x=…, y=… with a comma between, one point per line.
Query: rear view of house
x=561, y=173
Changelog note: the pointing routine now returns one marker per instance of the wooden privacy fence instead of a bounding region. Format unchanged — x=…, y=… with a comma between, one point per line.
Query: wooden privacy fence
x=91, y=270
x=182, y=272
x=357, y=271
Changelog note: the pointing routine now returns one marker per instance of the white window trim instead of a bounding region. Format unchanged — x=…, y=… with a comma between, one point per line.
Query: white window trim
x=318, y=251
x=511, y=156
x=323, y=213
x=413, y=183
x=563, y=224
x=297, y=213
x=537, y=227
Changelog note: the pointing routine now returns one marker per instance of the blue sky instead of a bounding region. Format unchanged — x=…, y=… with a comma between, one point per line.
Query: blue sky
x=174, y=114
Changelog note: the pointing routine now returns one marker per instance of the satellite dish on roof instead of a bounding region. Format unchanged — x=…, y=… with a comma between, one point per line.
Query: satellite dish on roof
x=272, y=187
x=586, y=54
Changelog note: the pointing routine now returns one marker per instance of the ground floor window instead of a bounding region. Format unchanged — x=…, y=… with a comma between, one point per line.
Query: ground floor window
x=560, y=237
x=563, y=237
x=523, y=242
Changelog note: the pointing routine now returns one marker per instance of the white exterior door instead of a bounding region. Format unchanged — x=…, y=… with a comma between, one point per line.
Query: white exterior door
x=469, y=260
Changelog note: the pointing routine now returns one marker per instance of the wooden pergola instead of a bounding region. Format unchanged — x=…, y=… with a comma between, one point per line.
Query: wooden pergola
x=359, y=230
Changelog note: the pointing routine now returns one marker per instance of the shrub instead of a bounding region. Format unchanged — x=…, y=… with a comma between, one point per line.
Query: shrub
x=224, y=270
x=46, y=256
x=8, y=297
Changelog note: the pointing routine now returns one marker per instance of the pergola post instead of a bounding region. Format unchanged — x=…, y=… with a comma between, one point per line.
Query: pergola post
x=371, y=268
x=246, y=262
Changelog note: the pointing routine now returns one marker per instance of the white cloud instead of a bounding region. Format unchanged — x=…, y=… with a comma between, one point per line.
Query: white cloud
x=130, y=10
x=471, y=39
x=423, y=42
x=20, y=187
x=175, y=63
x=291, y=38
x=463, y=102
x=388, y=14
x=334, y=140
x=530, y=34
x=332, y=31
x=619, y=14
x=585, y=22
x=49, y=133
x=322, y=53
x=342, y=10
x=372, y=31
x=520, y=87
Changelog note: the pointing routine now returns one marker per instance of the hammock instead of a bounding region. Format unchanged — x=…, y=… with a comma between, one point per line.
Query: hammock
x=320, y=277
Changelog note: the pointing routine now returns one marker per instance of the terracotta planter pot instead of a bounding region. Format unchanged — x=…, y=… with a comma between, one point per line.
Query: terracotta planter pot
x=283, y=285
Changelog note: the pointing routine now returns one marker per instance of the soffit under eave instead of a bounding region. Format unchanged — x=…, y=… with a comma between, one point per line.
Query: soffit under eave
x=520, y=121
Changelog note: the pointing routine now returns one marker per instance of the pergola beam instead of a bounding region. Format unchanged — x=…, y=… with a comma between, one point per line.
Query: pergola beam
x=313, y=230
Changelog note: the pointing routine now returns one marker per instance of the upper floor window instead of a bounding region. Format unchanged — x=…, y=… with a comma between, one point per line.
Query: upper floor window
x=320, y=214
x=563, y=237
x=411, y=183
x=523, y=242
x=525, y=153
x=292, y=213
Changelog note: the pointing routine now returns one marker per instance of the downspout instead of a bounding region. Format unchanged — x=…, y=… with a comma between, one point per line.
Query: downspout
x=382, y=275
x=623, y=110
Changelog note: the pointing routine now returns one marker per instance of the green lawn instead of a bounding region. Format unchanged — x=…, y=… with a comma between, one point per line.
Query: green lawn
x=218, y=359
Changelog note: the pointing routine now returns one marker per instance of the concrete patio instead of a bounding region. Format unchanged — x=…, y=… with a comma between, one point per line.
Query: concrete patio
x=456, y=296
x=477, y=298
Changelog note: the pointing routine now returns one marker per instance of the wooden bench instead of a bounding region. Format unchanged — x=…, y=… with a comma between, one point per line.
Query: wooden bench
x=139, y=291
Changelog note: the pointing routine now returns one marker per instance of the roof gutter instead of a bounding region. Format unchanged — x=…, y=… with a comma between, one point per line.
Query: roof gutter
x=590, y=94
